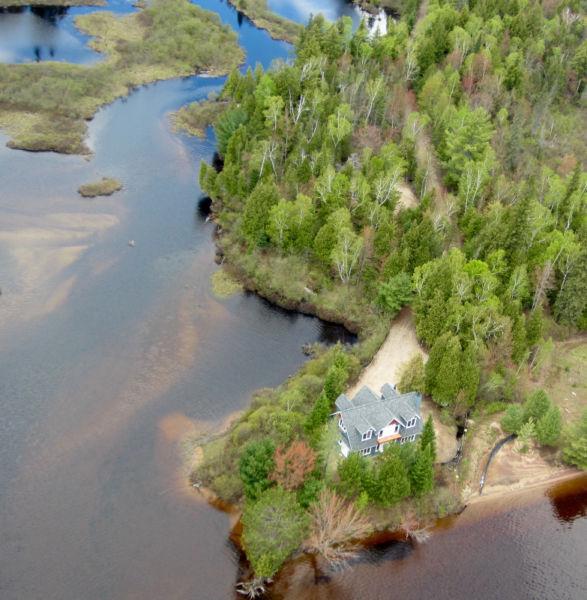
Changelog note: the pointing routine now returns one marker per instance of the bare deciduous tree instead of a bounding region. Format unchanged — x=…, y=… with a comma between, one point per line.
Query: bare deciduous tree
x=335, y=524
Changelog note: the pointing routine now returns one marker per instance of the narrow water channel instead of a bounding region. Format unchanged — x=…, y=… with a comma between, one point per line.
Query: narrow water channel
x=109, y=353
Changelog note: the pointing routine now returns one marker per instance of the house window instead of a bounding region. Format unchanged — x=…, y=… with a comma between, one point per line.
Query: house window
x=367, y=436
x=412, y=422
x=412, y=438
x=366, y=451
x=341, y=424
x=381, y=433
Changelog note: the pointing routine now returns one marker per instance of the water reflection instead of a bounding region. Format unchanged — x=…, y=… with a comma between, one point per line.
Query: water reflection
x=332, y=10
x=40, y=33
x=204, y=208
x=569, y=500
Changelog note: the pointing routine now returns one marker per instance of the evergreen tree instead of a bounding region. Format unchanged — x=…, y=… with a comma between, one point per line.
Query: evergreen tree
x=443, y=376
x=428, y=437
x=466, y=138
x=352, y=472
x=548, y=427
x=412, y=377
x=575, y=445
x=422, y=472
x=534, y=326
x=536, y=406
x=390, y=482
x=513, y=419
x=570, y=306
x=519, y=341
x=319, y=414
x=526, y=435
x=255, y=466
x=257, y=213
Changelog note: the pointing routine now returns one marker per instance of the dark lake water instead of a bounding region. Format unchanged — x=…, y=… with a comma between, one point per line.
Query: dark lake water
x=108, y=353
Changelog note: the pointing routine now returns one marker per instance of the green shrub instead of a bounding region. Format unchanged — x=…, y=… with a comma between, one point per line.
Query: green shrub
x=273, y=527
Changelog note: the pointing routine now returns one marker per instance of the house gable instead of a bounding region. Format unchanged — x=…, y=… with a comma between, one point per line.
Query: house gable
x=371, y=421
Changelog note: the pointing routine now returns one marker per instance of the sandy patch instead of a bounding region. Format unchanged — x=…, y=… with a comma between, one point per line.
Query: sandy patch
x=407, y=198
x=39, y=252
x=398, y=348
x=510, y=471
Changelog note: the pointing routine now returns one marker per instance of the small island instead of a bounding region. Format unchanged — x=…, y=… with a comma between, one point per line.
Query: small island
x=105, y=187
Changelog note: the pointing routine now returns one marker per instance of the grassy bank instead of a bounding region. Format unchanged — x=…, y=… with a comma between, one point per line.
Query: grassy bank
x=105, y=187
x=278, y=27
x=44, y=106
x=196, y=117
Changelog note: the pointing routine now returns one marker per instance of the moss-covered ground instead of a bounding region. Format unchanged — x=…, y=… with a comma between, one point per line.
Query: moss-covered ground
x=105, y=187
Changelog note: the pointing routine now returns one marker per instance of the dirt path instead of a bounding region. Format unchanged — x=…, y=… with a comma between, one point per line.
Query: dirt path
x=398, y=348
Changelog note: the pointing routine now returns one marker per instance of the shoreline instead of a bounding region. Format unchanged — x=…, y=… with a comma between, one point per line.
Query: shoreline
x=501, y=491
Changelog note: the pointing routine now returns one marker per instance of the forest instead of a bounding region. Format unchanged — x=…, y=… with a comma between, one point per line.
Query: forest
x=480, y=107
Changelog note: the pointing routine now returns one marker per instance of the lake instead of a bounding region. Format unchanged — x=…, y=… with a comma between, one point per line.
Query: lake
x=109, y=353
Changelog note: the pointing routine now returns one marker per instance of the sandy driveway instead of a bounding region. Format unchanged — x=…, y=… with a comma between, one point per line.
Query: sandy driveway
x=399, y=346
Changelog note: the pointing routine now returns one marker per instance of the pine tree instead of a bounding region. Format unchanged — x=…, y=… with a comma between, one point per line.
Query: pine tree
x=352, y=472
x=443, y=376
x=575, y=446
x=526, y=435
x=422, y=472
x=534, y=326
x=513, y=419
x=428, y=437
x=256, y=463
x=319, y=414
x=257, y=212
x=469, y=374
x=570, y=306
x=548, y=427
x=391, y=482
x=537, y=405
x=519, y=341
x=412, y=378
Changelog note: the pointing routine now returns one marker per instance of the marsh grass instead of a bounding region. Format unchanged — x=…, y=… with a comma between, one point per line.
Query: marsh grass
x=223, y=285
x=105, y=187
x=196, y=117
x=44, y=106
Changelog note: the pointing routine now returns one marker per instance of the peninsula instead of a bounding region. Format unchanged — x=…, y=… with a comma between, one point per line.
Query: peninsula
x=488, y=251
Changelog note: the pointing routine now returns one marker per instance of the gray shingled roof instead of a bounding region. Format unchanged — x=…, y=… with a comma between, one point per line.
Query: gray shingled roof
x=368, y=410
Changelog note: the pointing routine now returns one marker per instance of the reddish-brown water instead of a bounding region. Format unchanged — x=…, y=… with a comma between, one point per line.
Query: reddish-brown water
x=529, y=546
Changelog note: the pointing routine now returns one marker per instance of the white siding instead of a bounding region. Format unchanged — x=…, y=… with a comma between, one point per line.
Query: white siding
x=389, y=430
x=344, y=449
